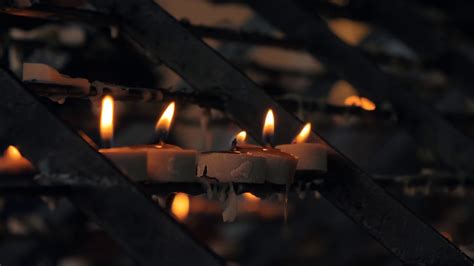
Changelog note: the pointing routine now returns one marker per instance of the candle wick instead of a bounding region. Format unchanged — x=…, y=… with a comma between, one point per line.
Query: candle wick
x=107, y=143
x=268, y=142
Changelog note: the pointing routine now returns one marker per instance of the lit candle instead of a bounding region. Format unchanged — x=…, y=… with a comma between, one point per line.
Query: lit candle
x=361, y=102
x=311, y=156
x=280, y=165
x=162, y=162
x=13, y=162
x=130, y=160
x=233, y=166
x=169, y=163
x=180, y=206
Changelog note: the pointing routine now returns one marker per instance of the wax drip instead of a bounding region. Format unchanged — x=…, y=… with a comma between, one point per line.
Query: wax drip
x=285, y=203
x=230, y=205
x=234, y=145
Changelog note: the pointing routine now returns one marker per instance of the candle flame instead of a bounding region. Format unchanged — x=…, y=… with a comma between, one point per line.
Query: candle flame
x=250, y=197
x=12, y=153
x=269, y=127
x=164, y=123
x=107, y=118
x=304, y=134
x=361, y=102
x=180, y=206
x=241, y=137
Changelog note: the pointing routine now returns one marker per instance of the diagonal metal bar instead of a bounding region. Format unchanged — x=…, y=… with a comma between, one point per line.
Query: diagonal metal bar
x=105, y=195
x=347, y=187
x=449, y=145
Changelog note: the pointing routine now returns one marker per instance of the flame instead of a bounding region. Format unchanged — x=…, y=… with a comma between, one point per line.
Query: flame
x=269, y=126
x=250, y=197
x=361, y=102
x=12, y=153
x=304, y=134
x=164, y=123
x=180, y=206
x=367, y=104
x=107, y=118
x=241, y=137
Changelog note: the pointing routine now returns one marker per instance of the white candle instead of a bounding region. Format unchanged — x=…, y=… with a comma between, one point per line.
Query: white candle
x=311, y=156
x=34, y=72
x=163, y=162
x=169, y=163
x=232, y=166
x=280, y=166
x=132, y=161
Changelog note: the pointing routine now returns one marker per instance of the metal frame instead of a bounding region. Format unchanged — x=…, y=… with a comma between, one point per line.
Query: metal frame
x=347, y=187
x=165, y=40
x=107, y=197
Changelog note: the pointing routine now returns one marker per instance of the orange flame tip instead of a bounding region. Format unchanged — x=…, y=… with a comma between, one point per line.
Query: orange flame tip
x=304, y=134
x=107, y=118
x=180, y=206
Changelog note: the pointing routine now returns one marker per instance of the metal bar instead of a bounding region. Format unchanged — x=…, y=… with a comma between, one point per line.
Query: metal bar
x=122, y=93
x=450, y=146
x=106, y=196
x=347, y=187
x=436, y=183
x=430, y=41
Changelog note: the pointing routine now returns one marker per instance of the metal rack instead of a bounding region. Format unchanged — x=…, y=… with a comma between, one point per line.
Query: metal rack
x=149, y=234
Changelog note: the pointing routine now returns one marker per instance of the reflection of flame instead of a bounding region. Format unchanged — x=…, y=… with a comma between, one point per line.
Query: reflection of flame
x=180, y=206
x=361, y=102
x=241, y=137
x=107, y=118
x=12, y=153
x=13, y=162
x=164, y=123
x=304, y=134
x=269, y=127
x=250, y=197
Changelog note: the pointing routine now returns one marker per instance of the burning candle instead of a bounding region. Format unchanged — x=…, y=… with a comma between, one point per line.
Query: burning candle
x=180, y=206
x=311, y=156
x=130, y=160
x=361, y=102
x=280, y=165
x=107, y=121
x=162, y=162
x=233, y=166
x=13, y=162
x=167, y=162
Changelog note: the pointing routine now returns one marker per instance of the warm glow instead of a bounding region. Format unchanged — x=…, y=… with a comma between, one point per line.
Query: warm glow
x=304, y=134
x=164, y=123
x=250, y=197
x=107, y=118
x=241, y=137
x=367, y=104
x=361, y=102
x=12, y=153
x=180, y=206
x=269, y=126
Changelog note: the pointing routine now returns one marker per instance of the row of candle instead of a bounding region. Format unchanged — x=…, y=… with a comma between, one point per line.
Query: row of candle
x=243, y=163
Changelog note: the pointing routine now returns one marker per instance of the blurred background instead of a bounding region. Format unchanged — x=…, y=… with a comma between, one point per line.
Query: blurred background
x=48, y=230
